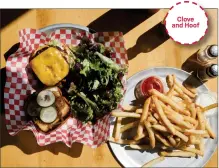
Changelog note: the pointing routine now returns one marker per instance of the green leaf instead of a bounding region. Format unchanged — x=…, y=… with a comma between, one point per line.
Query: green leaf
x=108, y=62
x=86, y=67
x=102, y=48
x=96, y=84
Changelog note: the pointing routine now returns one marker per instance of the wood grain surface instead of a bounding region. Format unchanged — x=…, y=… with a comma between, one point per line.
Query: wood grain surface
x=147, y=46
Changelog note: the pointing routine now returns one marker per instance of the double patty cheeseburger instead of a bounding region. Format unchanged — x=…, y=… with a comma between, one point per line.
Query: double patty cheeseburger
x=48, y=108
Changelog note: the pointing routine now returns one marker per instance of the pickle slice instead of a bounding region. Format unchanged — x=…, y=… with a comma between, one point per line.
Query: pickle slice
x=48, y=114
x=45, y=98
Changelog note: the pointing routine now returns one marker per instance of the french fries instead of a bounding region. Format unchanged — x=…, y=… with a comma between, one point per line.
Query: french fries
x=163, y=116
x=182, y=136
x=150, y=133
x=177, y=119
x=190, y=120
x=162, y=139
x=193, y=140
x=177, y=154
x=140, y=136
x=193, y=110
x=153, y=162
x=123, y=141
x=143, y=116
x=215, y=105
x=140, y=147
x=209, y=130
x=169, y=101
x=186, y=91
x=191, y=89
x=193, y=150
x=195, y=132
x=128, y=107
x=118, y=127
x=172, y=140
x=167, y=121
x=152, y=120
x=159, y=127
x=129, y=126
x=139, y=111
x=125, y=114
x=201, y=119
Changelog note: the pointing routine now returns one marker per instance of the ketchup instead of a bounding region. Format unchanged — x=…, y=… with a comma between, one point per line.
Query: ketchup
x=143, y=87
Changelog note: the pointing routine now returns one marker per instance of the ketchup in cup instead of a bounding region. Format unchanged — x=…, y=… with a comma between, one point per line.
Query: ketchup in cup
x=143, y=87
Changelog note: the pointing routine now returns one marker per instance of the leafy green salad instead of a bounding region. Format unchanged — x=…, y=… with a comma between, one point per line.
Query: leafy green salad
x=94, y=83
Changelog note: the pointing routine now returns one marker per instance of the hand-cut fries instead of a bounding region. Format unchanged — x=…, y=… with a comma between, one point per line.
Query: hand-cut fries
x=177, y=119
x=163, y=116
x=215, y=105
x=144, y=116
x=153, y=162
x=193, y=140
x=186, y=91
x=169, y=121
x=190, y=120
x=140, y=136
x=162, y=139
x=201, y=119
x=189, y=88
x=195, y=132
x=129, y=126
x=193, y=150
x=201, y=145
x=150, y=133
x=209, y=130
x=171, y=81
x=172, y=140
x=170, y=92
x=139, y=111
x=152, y=120
x=125, y=114
x=193, y=110
x=182, y=136
x=123, y=141
x=128, y=107
x=169, y=101
x=159, y=127
x=140, y=147
x=118, y=127
x=177, y=154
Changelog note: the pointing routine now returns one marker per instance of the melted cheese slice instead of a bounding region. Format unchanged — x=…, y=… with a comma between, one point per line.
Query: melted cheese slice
x=50, y=66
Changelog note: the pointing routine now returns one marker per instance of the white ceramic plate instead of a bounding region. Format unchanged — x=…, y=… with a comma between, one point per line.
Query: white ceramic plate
x=135, y=158
x=53, y=27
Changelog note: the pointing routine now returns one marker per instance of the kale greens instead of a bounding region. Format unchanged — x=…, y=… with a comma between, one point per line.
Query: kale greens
x=95, y=87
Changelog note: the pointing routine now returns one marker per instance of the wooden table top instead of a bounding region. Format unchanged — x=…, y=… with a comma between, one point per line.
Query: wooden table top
x=153, y=49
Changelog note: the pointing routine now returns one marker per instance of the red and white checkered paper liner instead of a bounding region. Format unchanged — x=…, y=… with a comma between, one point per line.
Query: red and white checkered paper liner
x=19, y=86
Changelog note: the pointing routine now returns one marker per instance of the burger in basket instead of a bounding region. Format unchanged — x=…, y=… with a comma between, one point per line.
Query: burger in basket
x=82, y=81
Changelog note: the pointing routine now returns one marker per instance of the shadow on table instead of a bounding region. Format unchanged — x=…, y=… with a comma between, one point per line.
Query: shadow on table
x=122, y=20
x=191, y=64
x=25, y=140
x=148, y=41
x=9, y=15
x=192, y=81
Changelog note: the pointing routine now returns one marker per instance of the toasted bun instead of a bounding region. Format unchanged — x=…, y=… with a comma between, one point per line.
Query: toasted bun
x=63, y=108
x=64, y=111
x=46, y=127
